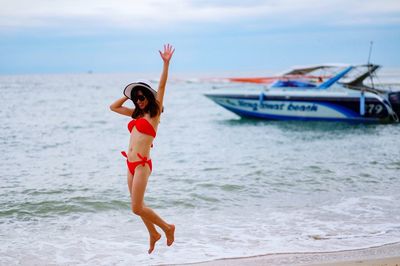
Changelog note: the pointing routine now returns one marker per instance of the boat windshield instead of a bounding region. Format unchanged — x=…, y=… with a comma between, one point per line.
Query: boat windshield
x=292, y=84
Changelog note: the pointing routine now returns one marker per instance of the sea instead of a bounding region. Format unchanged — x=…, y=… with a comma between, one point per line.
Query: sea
x=233, y=187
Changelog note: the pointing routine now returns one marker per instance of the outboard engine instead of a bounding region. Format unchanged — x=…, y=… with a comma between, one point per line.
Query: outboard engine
x=394, y=99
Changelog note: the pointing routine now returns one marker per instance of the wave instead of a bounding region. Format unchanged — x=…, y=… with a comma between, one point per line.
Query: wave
x=51, y=208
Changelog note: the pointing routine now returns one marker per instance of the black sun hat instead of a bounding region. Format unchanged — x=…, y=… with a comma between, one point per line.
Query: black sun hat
x=138, y=85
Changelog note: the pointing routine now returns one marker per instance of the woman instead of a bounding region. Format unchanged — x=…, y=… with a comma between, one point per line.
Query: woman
x=146, y=117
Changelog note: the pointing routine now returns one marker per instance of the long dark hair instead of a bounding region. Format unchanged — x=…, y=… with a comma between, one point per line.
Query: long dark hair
x=153, y=107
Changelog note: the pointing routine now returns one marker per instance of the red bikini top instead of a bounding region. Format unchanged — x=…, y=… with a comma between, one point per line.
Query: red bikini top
x=143, y=126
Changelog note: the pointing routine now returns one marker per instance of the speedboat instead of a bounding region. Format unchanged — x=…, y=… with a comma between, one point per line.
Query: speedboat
x=341, y=97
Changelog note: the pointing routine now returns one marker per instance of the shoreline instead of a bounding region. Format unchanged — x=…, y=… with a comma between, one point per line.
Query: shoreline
x=385, y=255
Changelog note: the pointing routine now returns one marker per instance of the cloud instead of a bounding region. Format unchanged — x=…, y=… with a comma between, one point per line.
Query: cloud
x=151, y=14
x=123, y=13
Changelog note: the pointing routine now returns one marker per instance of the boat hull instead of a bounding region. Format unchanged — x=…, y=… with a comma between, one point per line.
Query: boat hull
x=305, y=106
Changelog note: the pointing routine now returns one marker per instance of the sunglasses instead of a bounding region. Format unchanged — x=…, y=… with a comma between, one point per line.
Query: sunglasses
x=139, y=98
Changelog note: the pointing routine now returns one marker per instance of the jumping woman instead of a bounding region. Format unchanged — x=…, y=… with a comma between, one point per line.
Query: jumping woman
x=143, y=127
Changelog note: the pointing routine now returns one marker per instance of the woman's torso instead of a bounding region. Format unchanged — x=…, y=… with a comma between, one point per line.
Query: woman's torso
x=141, y=142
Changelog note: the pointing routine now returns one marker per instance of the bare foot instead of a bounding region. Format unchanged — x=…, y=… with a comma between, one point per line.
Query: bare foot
x=170, y=234
x=153, y=240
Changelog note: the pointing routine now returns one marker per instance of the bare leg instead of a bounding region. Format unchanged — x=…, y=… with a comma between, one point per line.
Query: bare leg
x=154, y=235
x=138, y=189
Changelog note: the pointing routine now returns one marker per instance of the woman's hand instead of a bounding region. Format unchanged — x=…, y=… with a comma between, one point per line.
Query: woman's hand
x=167, y=53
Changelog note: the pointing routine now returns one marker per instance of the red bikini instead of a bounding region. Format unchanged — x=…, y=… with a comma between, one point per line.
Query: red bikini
x=143, y=126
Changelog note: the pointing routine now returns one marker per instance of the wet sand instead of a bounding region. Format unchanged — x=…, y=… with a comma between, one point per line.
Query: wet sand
x=387, y=255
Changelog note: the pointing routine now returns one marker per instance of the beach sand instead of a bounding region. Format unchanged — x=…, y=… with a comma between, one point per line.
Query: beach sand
x=387, y=255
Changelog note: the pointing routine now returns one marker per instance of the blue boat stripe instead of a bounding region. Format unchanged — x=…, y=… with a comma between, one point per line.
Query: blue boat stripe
x=283, y=117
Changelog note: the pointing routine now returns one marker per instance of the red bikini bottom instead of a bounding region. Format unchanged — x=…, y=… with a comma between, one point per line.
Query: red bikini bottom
x=132, y=165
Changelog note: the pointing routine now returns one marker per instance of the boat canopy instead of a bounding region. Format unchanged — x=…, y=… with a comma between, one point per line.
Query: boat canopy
x=304, y=70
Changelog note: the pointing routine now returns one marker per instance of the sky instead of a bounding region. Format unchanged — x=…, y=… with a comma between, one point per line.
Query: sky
x=69, y=36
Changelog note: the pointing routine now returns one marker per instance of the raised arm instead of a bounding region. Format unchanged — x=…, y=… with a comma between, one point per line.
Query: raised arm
x=118, y=108
x=166, y=56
